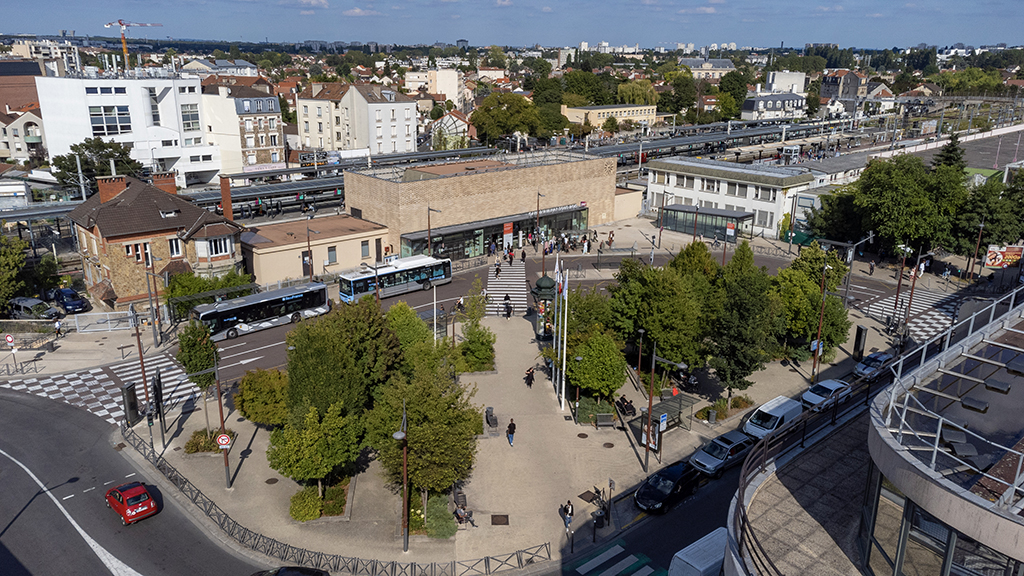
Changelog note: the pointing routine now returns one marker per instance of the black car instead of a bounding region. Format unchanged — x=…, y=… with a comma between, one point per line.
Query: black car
x=292, y=571
x=69, y=300
x=667, y=486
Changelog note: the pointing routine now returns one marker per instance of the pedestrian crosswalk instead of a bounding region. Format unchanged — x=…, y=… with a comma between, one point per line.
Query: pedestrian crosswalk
x=511, y=281
x=930, y=312
x=98, y=390
x=613, y=560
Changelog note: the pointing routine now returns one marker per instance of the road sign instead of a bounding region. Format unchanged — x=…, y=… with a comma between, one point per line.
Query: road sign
x=10, y=339
x=224, y=441
x=663, y=423
x=814, y=345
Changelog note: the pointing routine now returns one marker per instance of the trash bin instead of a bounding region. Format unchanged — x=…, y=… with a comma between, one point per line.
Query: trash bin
x=712, y=416
x=598, y=519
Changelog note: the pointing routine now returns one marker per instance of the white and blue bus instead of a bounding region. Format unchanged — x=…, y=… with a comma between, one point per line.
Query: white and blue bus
x=398, y=276
x=229, y=318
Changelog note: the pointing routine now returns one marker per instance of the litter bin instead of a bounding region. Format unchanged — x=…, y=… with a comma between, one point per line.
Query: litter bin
x=712, y=416
x=598, y=519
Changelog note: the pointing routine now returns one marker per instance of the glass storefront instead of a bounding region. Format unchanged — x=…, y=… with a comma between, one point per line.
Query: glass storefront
x=475, y=238
x=903, y=539
x=712, y=223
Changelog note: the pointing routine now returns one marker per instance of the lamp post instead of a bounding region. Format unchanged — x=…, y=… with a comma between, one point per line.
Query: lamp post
x=903, y=250
x=543, y=254
x=154, y=315
x=401, y=437
x=430, y=240
x=639, y=350
x=142, y=367
x=821, y=320
x=650, y=405
x=309, y=247
x=970, y=265
x=913, y=283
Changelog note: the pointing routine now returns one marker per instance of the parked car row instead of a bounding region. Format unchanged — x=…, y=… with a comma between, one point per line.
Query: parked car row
x=64, y=301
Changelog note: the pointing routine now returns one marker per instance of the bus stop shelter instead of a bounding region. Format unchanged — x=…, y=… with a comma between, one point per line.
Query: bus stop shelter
x=710, y=222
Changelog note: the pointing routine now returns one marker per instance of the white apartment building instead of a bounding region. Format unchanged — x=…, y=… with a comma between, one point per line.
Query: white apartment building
x=245, y=124
x=765, y=191
x=65, y=52
x=336, y=116
x=21, y=135
x=444, y=81
x=160, y=119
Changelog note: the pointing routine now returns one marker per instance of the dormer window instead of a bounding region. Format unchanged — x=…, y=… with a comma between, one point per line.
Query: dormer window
x=168, y=213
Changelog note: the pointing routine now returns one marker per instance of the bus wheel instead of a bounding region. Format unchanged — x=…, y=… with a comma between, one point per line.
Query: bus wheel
x=426, y=285
x=232, y=334
x=296, y=317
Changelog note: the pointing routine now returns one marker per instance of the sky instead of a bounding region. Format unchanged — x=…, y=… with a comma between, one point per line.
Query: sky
x=649, y=23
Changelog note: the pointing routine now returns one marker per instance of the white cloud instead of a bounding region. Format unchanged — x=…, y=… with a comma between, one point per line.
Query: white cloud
x=456, y=16
x=829, y=8
x=716, y=1
x=309, y=3
x=360, y=12
x=546, y=9
x=502, y=2
x=698, y=10
x=307, y=12
x=875, y=15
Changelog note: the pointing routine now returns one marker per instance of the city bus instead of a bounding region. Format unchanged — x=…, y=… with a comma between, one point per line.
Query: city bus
x=229, y=318
x=398, y=276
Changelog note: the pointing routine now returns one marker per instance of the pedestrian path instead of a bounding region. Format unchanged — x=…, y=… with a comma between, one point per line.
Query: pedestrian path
x=512, y=281
x=98, y=390
x=612, y=560
x=930, y=313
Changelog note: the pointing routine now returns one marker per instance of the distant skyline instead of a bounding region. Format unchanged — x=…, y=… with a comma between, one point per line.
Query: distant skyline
x=649, y=23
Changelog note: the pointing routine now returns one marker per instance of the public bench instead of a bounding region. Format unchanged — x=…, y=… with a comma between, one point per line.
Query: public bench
x=606, y=419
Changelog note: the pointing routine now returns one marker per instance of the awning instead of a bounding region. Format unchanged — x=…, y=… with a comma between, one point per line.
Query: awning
x=456, y=228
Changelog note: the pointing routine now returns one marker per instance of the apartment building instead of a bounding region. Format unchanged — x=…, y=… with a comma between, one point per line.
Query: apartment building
x=21, y=135
x=246, y=125
x=844, y=84
x=597, y=115
x=449, y=82
x=774, y=107
x=708, y=68
x=159, y=119
x=64, y=52
x=337, y=116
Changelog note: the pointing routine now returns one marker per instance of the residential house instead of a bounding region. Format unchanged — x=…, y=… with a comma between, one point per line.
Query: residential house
x=597, y=115
x=707, y=103
x=21, y=135
x=491, y=73
x=448, y=82
x=337, y=116
x=160, y=119
x=255, y=82
x=844, y=85
x=130, y=227
x=246, y=124
x=708, y=68
x=783, y=106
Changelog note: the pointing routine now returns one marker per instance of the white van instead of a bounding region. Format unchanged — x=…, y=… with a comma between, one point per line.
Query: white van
x=774, y=415
x=702, y=558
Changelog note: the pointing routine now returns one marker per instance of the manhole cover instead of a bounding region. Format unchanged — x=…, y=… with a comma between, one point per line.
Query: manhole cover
x=567, y=418
x=609, y=445
x=271, y=480
x=119, y=447
x=582, y=435
x=499, y=519
x=177, y=448
x=103, y=338
x=240, y=419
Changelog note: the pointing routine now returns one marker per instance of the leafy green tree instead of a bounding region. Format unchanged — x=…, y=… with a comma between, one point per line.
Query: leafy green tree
x=551, y=120
x=894, y=198
x=587, y=309
x=547, y=91
x=188, y=284
x=735, y=84
x=287, y=114
x=442, y=422
x=409, y=328
x=727, y=107
x=637, y=92
x=198, y=352
x=610, y=125
x=314, y=446
x=263, y=397
x=952, y=154
x=684, y=92
x=496, y=57
x=812, y=261
x=437, y=111
x=584, y=84
x=95, y=154
x=538, y=66
x=839, y=217
x=501, y=114
x=998, y=207
x=743, y=333
x=12, y=260
x=696, y=258
x=602, y=369
x=476, y=351
x=341, y=358
x=814, y=97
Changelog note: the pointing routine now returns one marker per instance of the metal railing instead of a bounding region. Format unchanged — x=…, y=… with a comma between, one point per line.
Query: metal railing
x=102, y=321
x=333, y=563
x=753, y=557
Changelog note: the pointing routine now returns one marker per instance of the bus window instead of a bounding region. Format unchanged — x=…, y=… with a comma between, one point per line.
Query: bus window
x=345, y=285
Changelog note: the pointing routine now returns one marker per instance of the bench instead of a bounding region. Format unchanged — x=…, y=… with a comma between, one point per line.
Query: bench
x=604, y=420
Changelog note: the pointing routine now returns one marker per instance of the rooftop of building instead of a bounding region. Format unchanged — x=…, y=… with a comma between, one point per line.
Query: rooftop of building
x=294, y=232
x=398, y=172
x=754, y=173
x=613, y=107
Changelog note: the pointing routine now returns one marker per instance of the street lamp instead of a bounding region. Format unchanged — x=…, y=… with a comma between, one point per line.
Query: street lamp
x=650, y=405
x=913, y=283
x=153, y=314
x=142, y=365
x=430, y=240
x=904, y=250
x=543, y=254
x=639, y=350
x=970, y=265
x=401, y=437
x=309, y=248
x=821, y=319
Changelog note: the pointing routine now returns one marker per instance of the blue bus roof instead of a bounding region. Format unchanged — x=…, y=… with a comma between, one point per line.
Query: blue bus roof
x=366, y=271
x=260, y=297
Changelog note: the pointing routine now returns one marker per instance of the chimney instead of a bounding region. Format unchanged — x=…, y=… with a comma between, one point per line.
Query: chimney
x=110, y=186
x=165, y=182
x=225, y=198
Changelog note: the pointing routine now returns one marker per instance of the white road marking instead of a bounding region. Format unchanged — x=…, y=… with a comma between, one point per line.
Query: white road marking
x=88, y=490
x=230, y=347
x=110, y=482
x=116, y=567
x=130, y=475
x=241, y=362
x=253, y=350
x=68, y=496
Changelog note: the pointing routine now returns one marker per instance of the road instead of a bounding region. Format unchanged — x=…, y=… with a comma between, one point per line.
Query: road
x=69, y=452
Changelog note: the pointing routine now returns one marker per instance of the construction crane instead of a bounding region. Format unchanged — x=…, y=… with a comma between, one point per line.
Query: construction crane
x=124, y=24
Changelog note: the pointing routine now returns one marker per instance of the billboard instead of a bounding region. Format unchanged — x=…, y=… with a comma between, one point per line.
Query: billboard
x=1003, y=256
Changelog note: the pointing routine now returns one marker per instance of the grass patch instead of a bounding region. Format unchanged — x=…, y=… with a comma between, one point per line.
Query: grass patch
x=723, y=409
x=205, y=441
x=440, y=523
x=741, y=402
x=590, y=406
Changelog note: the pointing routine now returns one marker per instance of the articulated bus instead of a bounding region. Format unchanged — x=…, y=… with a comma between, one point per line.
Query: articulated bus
x=398, y=276
x=229, y=318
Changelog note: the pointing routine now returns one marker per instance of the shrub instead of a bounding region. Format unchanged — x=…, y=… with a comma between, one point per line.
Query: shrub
x=334, y=498
x=477, y=350
x=741, y=402
x=263, y=397
x=204, y=441
x=440, y=523
x=305, y=504
x=590, y=406
x=721, y=406
x=416, y=525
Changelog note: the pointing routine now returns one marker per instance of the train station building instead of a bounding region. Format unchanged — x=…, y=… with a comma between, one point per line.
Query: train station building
x=467, y=205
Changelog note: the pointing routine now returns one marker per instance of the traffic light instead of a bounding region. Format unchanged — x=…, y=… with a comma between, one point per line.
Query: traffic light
x=158, y=395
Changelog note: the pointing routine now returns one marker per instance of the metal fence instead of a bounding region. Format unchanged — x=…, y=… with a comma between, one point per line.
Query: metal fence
x=333, y=563
x=102, y=321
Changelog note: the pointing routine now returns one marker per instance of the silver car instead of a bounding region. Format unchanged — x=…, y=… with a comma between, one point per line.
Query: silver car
x=871, y=367
x=723, y=452
x=824, y=394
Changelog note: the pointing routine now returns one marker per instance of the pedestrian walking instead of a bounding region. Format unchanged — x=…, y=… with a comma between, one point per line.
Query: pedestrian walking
x=567, y=512
x=508, y=307
x=511, y=431
x=56, y=328
x=497, y=270
x=529, y=377
x=871, y=268
x=523, y=257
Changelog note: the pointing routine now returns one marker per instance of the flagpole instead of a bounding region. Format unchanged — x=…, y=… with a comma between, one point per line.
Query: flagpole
x=565, y=322
x=556, y=329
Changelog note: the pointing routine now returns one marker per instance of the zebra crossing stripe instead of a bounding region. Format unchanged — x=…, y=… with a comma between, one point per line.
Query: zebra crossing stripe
x=600, y=559
x=620, y=566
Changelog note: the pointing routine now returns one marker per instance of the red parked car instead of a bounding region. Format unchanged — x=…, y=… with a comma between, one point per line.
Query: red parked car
x=131, y=501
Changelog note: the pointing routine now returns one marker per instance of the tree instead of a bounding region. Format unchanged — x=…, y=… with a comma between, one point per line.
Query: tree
x=588, y=309
x=311, y=448
x=996, y=206
x=551, y=120
x=684, y=92
x=501, y=114
x=584, y=84
x=727, y=106
x=409, y=328
x=547, y=91
x=263, y=397
x=496, y=57
x=198, y=352
x=12, y=260
x=188, y=284
x=95, y=155
x=602, y=368
x=341, y=358
x=735, y=84
x=442, y=422
x=839, y=217
x=287, y=114
x=894, y=199
x=638, y=92
x=610, y=125
x=476, y=351
x=437, y=111
x=952, y=154
x=695, y=259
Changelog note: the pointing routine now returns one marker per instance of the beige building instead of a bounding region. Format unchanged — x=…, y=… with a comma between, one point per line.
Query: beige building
x=280, y=251
x=479, y=202
x=338, y=116
x=597, y=115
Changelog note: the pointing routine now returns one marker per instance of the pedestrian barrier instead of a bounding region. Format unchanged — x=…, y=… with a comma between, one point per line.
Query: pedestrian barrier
x=333, y=563
x=102, y=321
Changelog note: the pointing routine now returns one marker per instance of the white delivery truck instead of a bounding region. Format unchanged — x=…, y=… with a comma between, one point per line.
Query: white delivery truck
x=704, y=557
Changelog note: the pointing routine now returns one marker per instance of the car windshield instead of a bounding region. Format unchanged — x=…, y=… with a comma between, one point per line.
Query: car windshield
x=40, y=309
x=764, y=420
x=716, y=451
x=138, y=499
x=820, y=390
x=661, y=484
x=873, y=362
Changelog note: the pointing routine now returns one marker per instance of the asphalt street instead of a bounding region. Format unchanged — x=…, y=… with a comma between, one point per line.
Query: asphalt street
x=70, y=452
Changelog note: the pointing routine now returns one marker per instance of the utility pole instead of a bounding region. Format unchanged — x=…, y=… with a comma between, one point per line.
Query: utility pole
x=81, y=178
x=142, y=368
